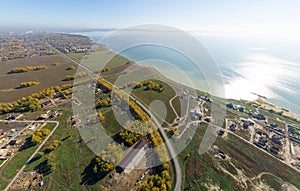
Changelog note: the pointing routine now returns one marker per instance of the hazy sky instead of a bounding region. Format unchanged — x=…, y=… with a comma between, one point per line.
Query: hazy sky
x=241, y=16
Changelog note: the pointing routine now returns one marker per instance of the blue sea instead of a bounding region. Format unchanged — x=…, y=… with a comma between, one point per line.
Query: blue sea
x=268, y=67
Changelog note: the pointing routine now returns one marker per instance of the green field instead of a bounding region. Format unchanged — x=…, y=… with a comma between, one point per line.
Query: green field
x=100, y=59
x=72, y=157
x=76, y=56
x=273, y=181
x=199, y=169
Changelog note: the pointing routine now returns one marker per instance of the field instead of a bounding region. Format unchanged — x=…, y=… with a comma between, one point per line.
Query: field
x=51, y=76
x=100, y=59
x=200, y=169
x=72, y=157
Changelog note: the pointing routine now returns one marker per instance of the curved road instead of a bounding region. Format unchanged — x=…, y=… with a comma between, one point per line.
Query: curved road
x=160, y=128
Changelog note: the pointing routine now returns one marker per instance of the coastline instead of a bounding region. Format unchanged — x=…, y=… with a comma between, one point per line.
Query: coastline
x=262, y=100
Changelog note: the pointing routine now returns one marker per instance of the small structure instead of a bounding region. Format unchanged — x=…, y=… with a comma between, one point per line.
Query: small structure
x=46, y=104
x=12, y=134
x=208, y=119
x=220, y=133
x=42, y=183
x=274, y=125
x=3, y=154
x=14, y=116
x=43, y=116
x=32, y=127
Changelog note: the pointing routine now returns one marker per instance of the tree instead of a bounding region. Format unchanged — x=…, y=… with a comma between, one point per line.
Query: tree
x=39, y=135
x=101, y=116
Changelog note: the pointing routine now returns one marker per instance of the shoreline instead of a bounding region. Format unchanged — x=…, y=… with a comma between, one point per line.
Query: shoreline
x=266, y=104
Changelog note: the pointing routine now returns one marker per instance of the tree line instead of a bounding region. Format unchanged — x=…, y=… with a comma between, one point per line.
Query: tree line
x=77, y=75
x=27, y=69
x=32, y=102
x=110, y=155
x=28, y=84
x=102, y=84
x=161, y=181
x=133, y=132
x=148, y=85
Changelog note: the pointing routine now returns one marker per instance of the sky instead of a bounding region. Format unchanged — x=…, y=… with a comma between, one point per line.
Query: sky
x=255, y=17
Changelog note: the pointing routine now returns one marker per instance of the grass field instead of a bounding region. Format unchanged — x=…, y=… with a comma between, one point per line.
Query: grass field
x=3, y=184
x=255, y=162
x=51, y=76
x=273, y=181
x=148, y=96
x=100, y=59
x=200, y=169
x=72, y=157
x=76, y=56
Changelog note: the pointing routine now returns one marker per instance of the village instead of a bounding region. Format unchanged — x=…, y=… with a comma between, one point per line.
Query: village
x=34, y=44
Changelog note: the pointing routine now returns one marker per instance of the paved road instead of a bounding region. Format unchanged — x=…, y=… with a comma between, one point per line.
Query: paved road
x=35, y=152
x=164, y=136
x=169, y=147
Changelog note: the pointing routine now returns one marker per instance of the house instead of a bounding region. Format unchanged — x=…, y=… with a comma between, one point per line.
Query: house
x=247, y=123
x=274, y=125
x=259, y=116
x=277, y=139
x=220, y=133
x=132, y=159
x=196, y=114
x=232, y=127
x=242, y=109
x=274, y=150
x=208, y=119
x=209, y=100
x=230, y=105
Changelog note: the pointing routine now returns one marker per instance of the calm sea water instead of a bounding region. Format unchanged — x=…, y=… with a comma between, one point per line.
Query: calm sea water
x=270, y=68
